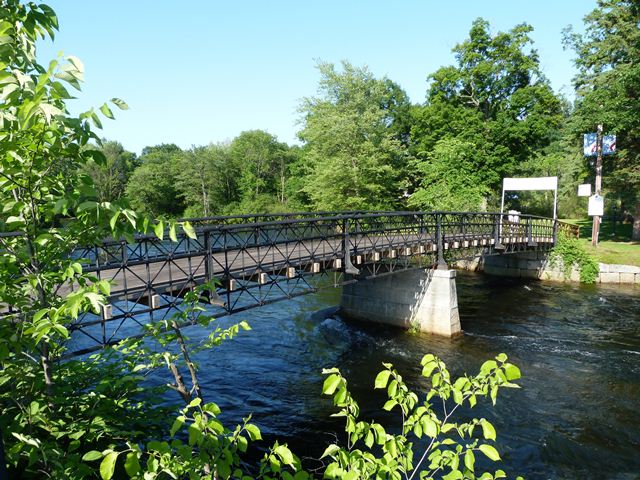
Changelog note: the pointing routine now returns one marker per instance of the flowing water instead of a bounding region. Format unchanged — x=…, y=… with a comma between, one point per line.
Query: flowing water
x=577, y=414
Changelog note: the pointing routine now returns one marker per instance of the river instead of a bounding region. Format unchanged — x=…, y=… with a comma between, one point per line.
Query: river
x=577, y=414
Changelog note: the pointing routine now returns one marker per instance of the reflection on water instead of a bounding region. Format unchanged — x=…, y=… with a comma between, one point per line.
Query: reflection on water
x=576, y=416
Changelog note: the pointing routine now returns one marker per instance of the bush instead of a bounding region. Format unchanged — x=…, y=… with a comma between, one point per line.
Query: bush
x=572, y=254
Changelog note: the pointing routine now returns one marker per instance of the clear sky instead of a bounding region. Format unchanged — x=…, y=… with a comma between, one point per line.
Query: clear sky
x=203, y=71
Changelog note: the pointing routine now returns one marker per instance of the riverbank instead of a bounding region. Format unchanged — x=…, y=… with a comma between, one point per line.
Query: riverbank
x=539, y=266
x=615, y=246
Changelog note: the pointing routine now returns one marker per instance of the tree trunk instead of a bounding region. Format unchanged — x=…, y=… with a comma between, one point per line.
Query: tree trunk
x=195, y=385
x=635, y=235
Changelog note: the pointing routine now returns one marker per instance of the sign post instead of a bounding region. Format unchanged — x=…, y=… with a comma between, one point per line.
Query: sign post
x=597, y=144
x=595, y=228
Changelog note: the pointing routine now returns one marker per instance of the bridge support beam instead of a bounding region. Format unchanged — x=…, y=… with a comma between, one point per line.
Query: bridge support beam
x=422, y=299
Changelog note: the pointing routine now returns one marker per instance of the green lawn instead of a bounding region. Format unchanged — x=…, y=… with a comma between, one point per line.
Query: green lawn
x=615, y=245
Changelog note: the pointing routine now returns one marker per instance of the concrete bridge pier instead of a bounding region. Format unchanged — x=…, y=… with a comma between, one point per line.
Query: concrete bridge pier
x=421, y=299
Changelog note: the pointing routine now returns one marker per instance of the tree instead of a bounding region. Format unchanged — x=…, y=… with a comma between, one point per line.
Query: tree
x=607, y=91
x=207, y=179
x=152, y=187
x=495, y=98
x=449, y=179
x=161, y=148
x=263, y=162
x=111, y=176
x=353, y=147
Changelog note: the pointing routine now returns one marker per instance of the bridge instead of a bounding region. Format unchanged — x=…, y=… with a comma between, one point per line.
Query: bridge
x=260, y=259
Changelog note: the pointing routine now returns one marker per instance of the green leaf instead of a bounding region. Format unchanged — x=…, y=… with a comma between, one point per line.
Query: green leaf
x=108, y=465
x=501, y=358
x=172, y=232
x=330, y=450
x=132, y=464
x=121, y=104
x=490, y=452
x=330, y=384
x=77, y=63
x=382, y=378
x=285, y=454
x=488, y=366
x=469, y=459
x=91, y=456
x=389, y=404
x=211, y=408
x=177, y=425
x=114, y=219
x=429, y=427
x=106, y=111
x=511, y=371
x=488, y=431
x=189, y=230
x=369, y=439
x=158, y=229
x=453, y=475
x=494, y=394
x=254, y=432
x=428, y=368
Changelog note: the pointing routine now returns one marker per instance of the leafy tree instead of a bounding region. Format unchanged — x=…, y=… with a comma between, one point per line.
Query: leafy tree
x=495, y=98
x=161, y=148
x=607, y=92
x=208, y=180
x=110, y=177
x=263, y=164
x=559, y=159
x=152, y=187
x=353, y=145
x=449, y=179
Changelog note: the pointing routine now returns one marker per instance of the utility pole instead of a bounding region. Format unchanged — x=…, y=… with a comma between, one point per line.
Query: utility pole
x=595, y=229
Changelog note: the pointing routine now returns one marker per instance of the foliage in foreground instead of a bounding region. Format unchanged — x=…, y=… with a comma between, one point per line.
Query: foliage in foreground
x=429, y=443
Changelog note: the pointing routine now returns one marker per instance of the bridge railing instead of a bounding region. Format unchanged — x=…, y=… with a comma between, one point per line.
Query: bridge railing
x=257, y=262
x=378, y=228
x=268, y=217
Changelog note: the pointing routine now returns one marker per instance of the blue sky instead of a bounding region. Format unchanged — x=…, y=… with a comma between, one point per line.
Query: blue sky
x=204, y=71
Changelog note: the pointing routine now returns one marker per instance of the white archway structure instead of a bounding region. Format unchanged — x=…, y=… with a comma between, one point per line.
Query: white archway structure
x=531, y=183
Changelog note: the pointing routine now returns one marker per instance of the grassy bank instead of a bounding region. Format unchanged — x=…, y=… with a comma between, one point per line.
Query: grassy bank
x=614, y=246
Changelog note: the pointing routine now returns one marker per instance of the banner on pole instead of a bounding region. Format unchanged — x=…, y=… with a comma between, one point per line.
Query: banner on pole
x=591, y=144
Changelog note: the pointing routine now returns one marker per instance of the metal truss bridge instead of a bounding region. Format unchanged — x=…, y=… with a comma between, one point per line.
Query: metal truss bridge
x=260, y=259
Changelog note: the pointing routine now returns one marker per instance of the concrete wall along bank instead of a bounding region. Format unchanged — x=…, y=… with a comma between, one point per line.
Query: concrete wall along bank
x=537, y=265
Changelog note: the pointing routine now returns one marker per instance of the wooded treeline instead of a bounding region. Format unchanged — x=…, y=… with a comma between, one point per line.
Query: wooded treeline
x=364, y=145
